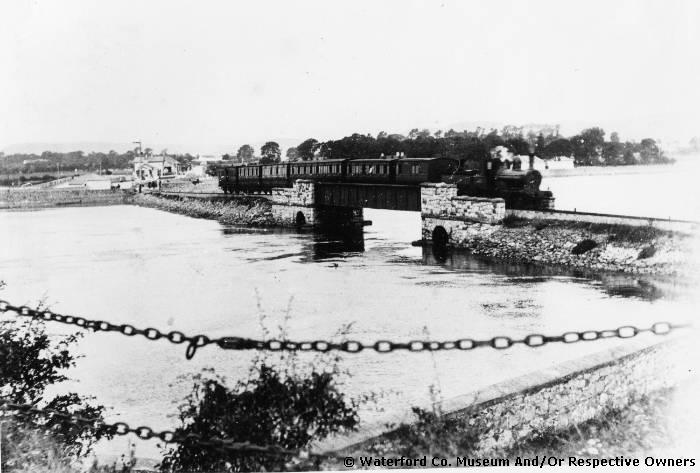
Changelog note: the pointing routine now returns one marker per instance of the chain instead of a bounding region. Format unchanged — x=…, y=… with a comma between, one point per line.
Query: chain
x=194, y=342
x=167, y=436
x=351, y=346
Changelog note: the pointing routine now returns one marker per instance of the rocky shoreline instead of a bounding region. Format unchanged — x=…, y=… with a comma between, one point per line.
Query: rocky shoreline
x=599, y=247
x=577, y=245
x=254, y=211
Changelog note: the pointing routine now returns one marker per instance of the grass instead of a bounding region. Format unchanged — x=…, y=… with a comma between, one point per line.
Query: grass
x=615, y=232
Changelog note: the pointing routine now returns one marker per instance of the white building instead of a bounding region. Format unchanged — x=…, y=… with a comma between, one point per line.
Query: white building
x=155, y=167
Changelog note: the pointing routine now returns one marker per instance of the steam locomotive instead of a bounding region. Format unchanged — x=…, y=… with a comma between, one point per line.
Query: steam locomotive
x=520, y=188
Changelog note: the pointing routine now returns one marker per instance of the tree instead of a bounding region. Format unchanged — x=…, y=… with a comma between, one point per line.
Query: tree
x=588, y=146
x=270, y=153
x=245, y=154
x=292, y=154
x=613, y=153
x=558, y=147
x=518, y=145
x=539, y=145
x=614, y=137
x=272, y=408
x=307, y=149
x=649, y=151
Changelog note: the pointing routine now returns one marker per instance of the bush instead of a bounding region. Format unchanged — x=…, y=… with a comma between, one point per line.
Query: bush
x=286, y=410
x=647, y=252
x=584, y=246
x=30, y=362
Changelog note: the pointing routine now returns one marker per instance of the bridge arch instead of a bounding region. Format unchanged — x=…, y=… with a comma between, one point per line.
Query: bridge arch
x=300, y=219
x=440, y=237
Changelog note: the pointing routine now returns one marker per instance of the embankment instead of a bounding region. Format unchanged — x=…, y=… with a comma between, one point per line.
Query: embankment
x=45, y=198
x=586, y=245
x=542, y=402
x=246, y=210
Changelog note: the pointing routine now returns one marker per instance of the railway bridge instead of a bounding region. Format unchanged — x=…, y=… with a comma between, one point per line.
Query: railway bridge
x=447, y=219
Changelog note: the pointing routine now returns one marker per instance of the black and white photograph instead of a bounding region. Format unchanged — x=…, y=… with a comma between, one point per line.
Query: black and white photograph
x=306, y=235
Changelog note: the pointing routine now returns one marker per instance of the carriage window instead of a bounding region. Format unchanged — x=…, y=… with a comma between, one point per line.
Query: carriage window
x=415, y=169
x=370, y=169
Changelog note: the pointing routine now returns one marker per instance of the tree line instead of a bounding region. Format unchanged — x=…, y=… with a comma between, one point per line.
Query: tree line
x=588, y=148
x=51, y=162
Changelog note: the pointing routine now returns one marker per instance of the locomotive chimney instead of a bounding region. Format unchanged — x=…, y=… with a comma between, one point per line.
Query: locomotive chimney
x=531, y=158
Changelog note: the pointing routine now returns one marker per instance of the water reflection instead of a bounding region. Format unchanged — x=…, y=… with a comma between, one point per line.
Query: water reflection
x=332, y=246
x=614, y=284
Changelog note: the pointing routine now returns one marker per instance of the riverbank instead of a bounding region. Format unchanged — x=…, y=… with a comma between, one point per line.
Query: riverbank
x=578, y=245
x=583, y=245
x=244, y=210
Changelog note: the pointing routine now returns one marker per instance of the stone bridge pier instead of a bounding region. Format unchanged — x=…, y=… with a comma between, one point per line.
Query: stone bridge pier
x=297, y=206
x=452, y=220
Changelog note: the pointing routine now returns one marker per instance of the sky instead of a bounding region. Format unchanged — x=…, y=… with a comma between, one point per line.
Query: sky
x=206, y=74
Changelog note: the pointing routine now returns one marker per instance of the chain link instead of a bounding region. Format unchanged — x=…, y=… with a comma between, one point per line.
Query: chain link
x=175, y=337
x=348, y=346
x=167, y=436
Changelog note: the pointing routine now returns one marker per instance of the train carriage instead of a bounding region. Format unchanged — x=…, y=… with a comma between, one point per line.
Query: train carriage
x=371, y=171
x=274, y=175
x=303, y=170
x=249, y=179
x=417, y=170
x=331, y=170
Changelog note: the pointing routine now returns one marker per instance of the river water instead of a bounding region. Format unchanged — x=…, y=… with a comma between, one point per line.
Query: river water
x=149, y=268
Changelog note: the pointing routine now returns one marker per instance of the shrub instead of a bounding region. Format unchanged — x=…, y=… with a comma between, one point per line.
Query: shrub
x=30, y=362
x=286, y=410
x=647, y=252
x=584, y=246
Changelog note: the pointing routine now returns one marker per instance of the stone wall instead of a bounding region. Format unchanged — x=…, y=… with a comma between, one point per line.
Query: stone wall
x=289, y=215
x=301, y=194
x=463, y=217
x=441, y=201
x=536, y=404
x=548, y=400
x=38, y=198
x=293, y=206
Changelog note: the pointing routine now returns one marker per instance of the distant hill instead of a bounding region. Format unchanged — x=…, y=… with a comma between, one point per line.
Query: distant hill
x=86, y=146
x=120, y=147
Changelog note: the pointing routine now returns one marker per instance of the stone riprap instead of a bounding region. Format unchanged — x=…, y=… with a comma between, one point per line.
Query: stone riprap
x=553, y=244
x=40, y=198
x=232, y=211
x=480, y=226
